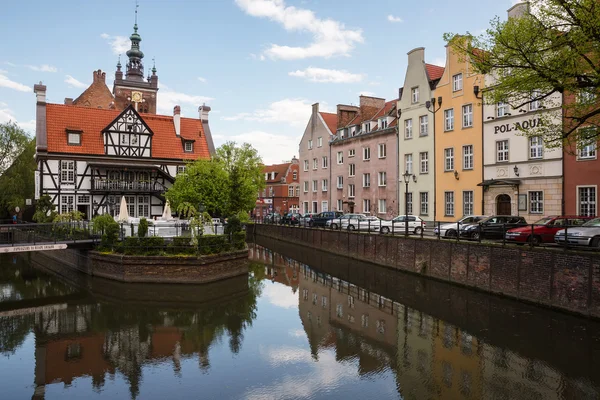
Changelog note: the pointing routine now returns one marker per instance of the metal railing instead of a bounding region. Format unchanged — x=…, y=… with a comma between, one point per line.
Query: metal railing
x=64, y=232
x=126, y=186
x=533, y=235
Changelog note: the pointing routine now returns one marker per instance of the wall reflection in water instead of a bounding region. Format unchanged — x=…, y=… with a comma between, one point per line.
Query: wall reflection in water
x=360, y=321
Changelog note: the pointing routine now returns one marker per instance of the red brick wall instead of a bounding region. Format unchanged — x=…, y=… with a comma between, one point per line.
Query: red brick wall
x=564, y=280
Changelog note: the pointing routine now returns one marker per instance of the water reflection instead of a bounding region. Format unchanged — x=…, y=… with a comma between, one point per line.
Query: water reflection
x=242, y=338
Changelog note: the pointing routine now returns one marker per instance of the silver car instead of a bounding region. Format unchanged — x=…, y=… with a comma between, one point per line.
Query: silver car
x=353, y=222
x=587, y=234
x=449, y=230
x=399, y=224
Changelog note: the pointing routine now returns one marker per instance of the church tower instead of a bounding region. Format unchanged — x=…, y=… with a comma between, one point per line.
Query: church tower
x=134, y=89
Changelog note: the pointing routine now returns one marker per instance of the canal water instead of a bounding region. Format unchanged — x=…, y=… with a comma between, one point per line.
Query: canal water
x=300, y=325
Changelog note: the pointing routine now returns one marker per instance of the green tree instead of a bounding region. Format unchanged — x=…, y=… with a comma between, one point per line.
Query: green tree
x=44, y=210
x=13, y=141
x=203, y=182
x=17, y=181
x=554, y=48
x=244, y=168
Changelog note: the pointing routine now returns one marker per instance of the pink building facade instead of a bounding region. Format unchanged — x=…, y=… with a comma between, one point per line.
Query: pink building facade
x=315, y=162
x=363, y=159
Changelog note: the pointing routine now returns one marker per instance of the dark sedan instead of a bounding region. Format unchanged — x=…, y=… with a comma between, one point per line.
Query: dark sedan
x=493, y=227
x=290, y=219
x=322, y=218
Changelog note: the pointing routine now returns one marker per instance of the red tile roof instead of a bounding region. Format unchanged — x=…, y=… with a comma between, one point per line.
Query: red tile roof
x=386, y=108
x=434, y=72
x=331, y=121
x=91, y=122
x=279, y=169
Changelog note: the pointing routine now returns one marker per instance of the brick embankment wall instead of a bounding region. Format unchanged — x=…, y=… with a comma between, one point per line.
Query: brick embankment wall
x=560, y=279
x=156, y=269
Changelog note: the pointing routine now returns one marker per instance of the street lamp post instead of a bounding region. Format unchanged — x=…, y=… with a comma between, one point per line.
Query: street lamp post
x=407, y=175
x=431, y=107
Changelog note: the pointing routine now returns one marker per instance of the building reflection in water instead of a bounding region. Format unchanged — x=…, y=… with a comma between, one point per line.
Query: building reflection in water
x=101, y=329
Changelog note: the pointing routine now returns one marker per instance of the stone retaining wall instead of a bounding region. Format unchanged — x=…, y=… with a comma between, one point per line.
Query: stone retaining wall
x=565, y=280
x=157, y=269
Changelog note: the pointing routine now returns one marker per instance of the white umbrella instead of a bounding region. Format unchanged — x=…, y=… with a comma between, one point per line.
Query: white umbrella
x=123, y=213
x=167, y=211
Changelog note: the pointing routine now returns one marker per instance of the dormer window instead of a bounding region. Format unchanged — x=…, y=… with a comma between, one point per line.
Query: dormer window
x=74, y=138
x=383, y=123
x=189, y=147
x=272, y=175
x=367, y=127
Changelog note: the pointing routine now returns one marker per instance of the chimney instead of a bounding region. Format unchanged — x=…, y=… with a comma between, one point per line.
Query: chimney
x=345, y=114
x=41, y=137
x=518, y=10
x=204, y=110
x=177, y=120
x=68, y=101
x=99, y=76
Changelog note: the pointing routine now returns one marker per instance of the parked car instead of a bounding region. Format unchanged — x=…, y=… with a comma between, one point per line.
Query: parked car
x=272, y=218
x=587, y=234
x=398, y=225
x=291, y=218
x=544, y=230
x=450, y=230
x=306, y=219
x=354, y=222
x=493, y=227
x=322, y=218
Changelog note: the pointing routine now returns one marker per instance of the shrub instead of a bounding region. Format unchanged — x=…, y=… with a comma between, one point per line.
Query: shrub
x=109, y=229
x=143, y=228
x=238, y=240
x=131, y=245
x=213, y=244
x=233, y=225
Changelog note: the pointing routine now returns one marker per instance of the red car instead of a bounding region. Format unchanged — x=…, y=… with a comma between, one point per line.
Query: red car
x=543, y=231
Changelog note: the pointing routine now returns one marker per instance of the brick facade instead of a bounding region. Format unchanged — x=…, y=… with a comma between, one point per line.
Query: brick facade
x=282, y=190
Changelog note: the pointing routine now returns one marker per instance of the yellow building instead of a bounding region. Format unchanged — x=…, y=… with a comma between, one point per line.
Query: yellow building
x=458, y=140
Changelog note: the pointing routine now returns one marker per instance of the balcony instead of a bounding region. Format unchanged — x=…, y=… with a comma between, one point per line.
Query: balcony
x=120, y=186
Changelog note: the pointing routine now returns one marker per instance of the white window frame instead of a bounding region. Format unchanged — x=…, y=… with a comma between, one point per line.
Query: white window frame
x=587, y=151
x=409, y=203
x=414, y=95
x=306, y=165
x=290, y=190
x=340, y=182
x=367, y=206
x=340, y=205
x=319, y=142
x=351, y=169
x=424, y=162
x=382, y=206
x=74, y=138
x=189, y=147
x=502, y=152
x=381, y=150
x=351, y=153
x=467, y=115
x=295, y=175
x=315, y=185
x=315, y=163
x=382, y=179
x=324, y=162
x=590, y=202
x=423, y=125
x=324, y=206
x=340, y=157
x=449, y=120
x=536, y=201
x=457, y=82
x=408, y=163
x=408, y=128
x=468, y=202
x=449, y=159
x=535, y=105
x=536, y=147
x=383, y=123
x=366, y=153
x=351, y=190
x=305, y=186
x=67, y=203
x=424, y=202
x=366, y=180
x=501, y=109
x=324, y=185
x=310, y=144
x=449, y=204
x=67, y=171
x=468, y=157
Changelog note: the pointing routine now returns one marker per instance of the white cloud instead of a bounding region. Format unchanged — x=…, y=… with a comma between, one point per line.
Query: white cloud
x=118, y=44
x=330, y=37
x=42, y=68
x=439, y=61
x=201, y=79
x=327, y=75
x=169, y=98
x=6, y=115
x=69, y=80
x=10, y=64
x=273, y=148
x=293, y=111
x=366, y=93
x=6, y=82
x=392, y=18
x=280, y=295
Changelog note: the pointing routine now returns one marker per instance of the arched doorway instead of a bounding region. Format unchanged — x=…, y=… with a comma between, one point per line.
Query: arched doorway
x=503, y=205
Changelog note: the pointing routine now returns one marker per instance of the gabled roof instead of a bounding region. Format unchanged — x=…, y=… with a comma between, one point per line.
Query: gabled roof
x=434, y=72
x=331, y=121
x=92, y=121
x=386, y=108
x=279, y=169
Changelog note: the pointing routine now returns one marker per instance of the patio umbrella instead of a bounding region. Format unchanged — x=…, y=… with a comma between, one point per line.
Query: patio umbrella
x=123, y=213
x=167, y=211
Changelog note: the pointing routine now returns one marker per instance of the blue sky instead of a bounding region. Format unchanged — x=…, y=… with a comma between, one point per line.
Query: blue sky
x=259, y=64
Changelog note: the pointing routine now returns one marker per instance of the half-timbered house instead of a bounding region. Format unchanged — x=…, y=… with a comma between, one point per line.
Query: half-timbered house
x=90, y=154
